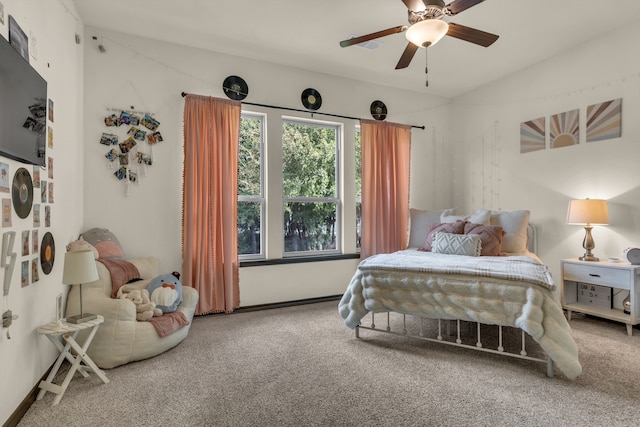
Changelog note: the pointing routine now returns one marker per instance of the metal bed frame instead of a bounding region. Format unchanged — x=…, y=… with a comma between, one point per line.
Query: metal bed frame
x=440, y=338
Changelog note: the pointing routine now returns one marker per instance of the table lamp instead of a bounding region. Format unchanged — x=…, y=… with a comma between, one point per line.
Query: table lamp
x=79, y=268
x=588, y=212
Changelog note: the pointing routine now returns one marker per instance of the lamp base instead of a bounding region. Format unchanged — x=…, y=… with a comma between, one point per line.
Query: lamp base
x=81, y=318
x=589, y=257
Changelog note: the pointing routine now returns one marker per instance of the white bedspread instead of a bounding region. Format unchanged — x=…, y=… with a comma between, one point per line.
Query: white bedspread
x=507, y=291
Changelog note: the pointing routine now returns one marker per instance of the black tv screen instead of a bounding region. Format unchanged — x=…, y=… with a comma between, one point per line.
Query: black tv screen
x=23, y=108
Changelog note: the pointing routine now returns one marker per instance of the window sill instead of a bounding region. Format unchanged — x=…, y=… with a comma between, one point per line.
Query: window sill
x=296, y=260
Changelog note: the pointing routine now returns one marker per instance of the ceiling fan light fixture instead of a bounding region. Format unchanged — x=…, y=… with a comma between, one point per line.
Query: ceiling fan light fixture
x=427, y=33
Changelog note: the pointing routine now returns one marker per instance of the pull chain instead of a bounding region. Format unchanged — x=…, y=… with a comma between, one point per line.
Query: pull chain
x=426, y=66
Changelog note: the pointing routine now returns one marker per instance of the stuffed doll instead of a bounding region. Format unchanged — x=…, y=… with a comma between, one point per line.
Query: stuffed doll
x=166, y=291
x=145, y=308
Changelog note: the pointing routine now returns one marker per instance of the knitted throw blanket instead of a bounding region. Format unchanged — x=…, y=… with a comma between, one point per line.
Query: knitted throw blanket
x=121, y=272
x=169, y=323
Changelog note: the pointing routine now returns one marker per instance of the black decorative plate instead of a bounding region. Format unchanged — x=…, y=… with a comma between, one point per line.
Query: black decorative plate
x=47, y=252
x=311, y=99
x=235, y=88
x=378, y=110
x=22, y=192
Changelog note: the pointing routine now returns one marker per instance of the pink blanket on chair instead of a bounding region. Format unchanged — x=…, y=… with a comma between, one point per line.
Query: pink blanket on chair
x=121, y=272
x=169, y=322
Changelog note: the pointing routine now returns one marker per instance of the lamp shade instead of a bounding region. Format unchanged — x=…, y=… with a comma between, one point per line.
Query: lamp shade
x=427, y=33
x=588, y=211
x=79, y=267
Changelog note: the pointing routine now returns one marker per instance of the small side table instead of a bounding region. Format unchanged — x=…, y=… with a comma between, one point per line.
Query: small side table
x=63, y=336
x=592, y=276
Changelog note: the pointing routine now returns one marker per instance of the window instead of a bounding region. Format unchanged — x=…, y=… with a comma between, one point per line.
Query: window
x=251, y=201
x=311, y=202
x=296, y=192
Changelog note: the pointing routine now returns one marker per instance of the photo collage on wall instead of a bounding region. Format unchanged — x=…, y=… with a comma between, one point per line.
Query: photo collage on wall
x=27, y=191
x=130, y=138
x=603, y=122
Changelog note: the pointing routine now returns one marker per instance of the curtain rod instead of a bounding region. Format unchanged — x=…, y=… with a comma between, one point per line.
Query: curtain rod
x=304, y=111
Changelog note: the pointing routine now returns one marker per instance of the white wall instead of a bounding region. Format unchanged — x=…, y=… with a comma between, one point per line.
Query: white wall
x=26, y=356
x=491, y=172
x=151, y=75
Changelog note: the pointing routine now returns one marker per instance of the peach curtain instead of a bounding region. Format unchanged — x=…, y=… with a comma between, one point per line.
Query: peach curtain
x=386, y=149
x=209, y=221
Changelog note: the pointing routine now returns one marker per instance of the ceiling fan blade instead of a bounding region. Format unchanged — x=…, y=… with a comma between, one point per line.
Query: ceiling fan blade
x=378, y=34
x=471, y=35
x=414, y=5
x=457, y=6
x=407, y=56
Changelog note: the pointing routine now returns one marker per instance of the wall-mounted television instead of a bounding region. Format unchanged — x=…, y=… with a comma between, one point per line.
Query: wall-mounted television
x=23, y=108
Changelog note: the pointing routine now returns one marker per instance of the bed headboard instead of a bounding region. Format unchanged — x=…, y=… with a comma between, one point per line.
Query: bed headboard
x=532, y=240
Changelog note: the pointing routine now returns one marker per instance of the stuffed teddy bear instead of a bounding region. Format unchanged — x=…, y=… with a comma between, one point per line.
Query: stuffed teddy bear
x=145, y=308
x=82, y=245
x=166, y=291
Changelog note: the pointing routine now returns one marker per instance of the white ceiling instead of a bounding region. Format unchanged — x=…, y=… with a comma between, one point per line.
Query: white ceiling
x=306, y=34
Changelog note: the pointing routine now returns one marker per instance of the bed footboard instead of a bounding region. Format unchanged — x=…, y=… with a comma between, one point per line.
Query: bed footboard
x=452, y=338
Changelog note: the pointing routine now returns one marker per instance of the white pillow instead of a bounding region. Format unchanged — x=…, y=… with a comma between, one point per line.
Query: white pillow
x=481, y=216
x=514, y=224
x=457, y=244
x=420, y=220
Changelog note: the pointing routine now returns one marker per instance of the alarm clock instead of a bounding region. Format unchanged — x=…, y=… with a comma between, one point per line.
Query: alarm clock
x=631, y=256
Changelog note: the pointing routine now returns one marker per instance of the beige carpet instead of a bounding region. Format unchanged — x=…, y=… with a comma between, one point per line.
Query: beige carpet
x=300, y=366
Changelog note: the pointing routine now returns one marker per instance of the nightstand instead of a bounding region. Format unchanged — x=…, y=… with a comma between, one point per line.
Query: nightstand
x=63, y=336
x=588, y=287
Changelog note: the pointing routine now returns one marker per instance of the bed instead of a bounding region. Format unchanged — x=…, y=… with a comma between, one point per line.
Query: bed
x=511, y=290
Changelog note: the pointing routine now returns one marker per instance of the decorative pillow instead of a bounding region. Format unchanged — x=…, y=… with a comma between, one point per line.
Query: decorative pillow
x=453, y=228
x=490, y=235
x=457, y=244
x=420, y=220
x=514, y=225
x=104, y=241
x=166, y=291
x=481, y=216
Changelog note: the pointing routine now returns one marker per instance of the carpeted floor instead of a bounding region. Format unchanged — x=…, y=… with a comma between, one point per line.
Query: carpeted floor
x=300, y=366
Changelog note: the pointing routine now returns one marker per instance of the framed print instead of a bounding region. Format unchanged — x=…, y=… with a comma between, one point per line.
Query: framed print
x=564, y=129
x=604, y=120
x=532, y=135
x=18, y=38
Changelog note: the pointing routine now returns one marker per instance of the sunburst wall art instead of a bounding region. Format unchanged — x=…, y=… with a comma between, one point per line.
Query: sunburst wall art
x=604, y=120
x=564, y=129
x=532, y=135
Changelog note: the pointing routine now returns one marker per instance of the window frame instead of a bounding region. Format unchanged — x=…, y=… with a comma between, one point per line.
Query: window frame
x=337, y=198
x=262, y=199
x=272, y=226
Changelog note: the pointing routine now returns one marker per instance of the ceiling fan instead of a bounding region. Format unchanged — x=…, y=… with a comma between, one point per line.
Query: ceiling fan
x=427, y=27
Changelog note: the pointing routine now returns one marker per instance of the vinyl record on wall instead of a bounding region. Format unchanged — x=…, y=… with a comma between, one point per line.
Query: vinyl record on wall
x=22, y=192
x=378, y=110
x=47, y=252
x=235, y=88
x=311, y=99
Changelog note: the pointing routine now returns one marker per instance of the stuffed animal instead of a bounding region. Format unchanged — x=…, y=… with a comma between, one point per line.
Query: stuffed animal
x=145, y=308
x=82, y=245
x=166, y=291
